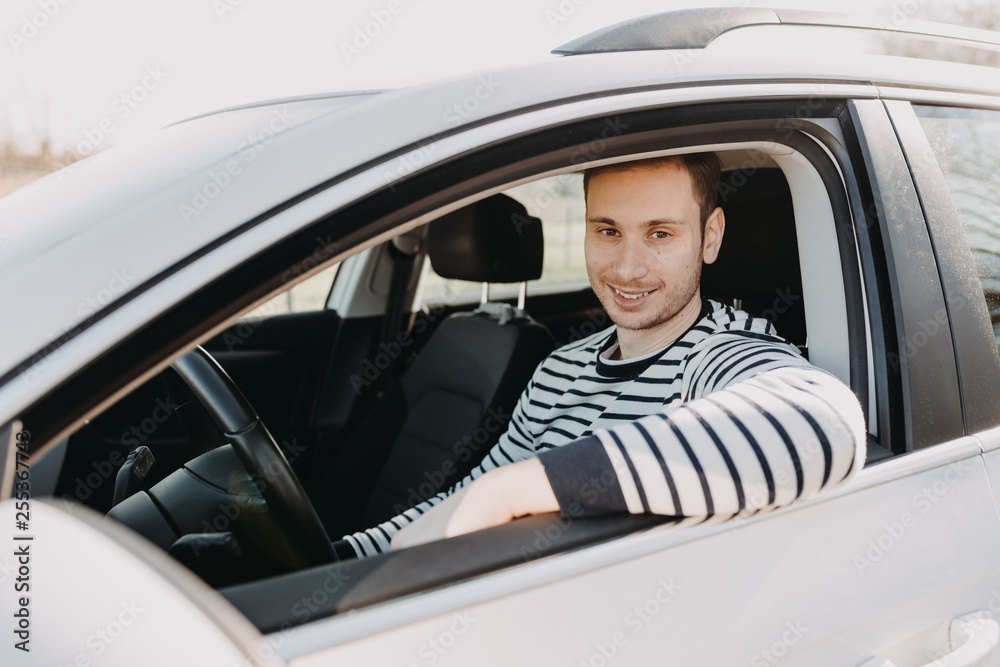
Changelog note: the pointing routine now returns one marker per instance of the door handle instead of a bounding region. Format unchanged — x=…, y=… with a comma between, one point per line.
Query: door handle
x=971, y=639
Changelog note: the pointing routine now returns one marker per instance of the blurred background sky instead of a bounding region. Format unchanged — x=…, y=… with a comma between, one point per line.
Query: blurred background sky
x=65, y=64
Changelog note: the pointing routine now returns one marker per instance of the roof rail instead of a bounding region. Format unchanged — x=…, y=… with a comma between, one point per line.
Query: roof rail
x=697, y=28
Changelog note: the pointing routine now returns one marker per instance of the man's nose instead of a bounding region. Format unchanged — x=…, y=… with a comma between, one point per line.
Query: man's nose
x=631, y=261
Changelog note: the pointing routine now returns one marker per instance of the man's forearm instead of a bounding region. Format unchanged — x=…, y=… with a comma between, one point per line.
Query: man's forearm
x=497, y=497
x=759, y=444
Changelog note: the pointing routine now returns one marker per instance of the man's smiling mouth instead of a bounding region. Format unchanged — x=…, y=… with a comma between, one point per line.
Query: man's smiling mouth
x=635, y=295
x=630, y=299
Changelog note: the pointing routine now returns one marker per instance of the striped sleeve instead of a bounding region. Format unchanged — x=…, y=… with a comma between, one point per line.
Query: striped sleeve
x=516, y=443
x=760, y=429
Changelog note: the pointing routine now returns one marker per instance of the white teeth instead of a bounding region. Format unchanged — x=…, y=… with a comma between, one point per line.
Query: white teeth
x=630, y=296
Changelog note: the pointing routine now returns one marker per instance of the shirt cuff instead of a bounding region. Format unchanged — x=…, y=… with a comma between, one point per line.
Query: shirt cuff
x=583, y=479
x=344, y=550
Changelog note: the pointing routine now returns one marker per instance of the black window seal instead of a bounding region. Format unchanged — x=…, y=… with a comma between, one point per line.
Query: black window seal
x=922, y=386
x=975, y=344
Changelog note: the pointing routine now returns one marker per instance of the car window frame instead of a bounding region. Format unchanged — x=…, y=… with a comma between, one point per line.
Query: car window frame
x=497, y=166
x=976, y=353
x=896, y=249
x=394, y=583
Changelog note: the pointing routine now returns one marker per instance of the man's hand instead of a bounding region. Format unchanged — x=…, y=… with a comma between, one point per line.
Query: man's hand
x=499, y=496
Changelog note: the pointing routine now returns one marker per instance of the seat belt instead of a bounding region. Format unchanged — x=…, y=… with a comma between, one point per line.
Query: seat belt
x=403, y=251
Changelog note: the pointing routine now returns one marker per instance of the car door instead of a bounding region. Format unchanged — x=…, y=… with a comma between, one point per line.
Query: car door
x=953, y=152
x=887, y=568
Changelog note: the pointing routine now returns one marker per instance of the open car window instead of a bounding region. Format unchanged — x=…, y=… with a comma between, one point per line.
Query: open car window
x=297, y=370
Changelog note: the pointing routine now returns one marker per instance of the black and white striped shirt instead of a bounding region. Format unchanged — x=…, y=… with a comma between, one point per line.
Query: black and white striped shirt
x=726, y=421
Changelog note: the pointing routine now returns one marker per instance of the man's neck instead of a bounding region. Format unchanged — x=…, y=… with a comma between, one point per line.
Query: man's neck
x=637, y=343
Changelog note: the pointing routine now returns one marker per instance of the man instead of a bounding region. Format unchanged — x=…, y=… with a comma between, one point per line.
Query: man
x=685, y=407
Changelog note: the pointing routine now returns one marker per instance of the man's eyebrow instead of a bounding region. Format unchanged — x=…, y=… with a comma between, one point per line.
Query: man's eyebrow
x=656, y=222
x=673, y=222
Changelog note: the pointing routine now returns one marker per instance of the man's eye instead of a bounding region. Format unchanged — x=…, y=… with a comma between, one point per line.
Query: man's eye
x=660, y=234
x=607, y=231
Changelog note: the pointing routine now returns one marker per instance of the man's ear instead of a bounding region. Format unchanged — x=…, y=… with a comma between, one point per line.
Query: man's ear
x=715, y=227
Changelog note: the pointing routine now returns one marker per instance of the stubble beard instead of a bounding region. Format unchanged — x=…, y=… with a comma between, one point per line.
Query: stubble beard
x=678, y=299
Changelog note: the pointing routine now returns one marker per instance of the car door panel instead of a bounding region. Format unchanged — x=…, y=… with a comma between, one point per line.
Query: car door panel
x=877, y=568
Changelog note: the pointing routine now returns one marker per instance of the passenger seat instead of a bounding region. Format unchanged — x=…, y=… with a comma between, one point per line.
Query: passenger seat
x=438, y=421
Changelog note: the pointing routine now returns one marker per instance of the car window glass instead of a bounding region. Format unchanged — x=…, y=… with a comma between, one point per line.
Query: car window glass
x=966, y=143
x=558, y=202
x=310, y=294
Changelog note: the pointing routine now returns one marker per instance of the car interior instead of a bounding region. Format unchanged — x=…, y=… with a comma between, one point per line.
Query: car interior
x=381, y=397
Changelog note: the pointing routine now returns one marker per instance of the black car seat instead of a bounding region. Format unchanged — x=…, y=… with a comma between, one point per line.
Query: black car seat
x=758, y=265
x=438, y=421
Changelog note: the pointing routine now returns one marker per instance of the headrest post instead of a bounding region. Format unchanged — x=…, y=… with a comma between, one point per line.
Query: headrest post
x=522, y=293
x=486, y=294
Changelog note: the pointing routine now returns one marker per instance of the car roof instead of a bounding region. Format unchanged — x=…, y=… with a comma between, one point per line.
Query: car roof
x=125, y=216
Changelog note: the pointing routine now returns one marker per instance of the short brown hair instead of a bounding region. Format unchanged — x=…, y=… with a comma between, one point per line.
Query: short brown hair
x=705, y=170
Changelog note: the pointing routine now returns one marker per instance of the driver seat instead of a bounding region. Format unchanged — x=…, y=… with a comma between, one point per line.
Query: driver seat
x=435, y=423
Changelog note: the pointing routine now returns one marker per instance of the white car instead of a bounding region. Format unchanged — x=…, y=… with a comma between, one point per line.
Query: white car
x=150, y=518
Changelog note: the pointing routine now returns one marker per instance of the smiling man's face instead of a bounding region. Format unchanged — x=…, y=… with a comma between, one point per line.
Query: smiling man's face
x=644, y=246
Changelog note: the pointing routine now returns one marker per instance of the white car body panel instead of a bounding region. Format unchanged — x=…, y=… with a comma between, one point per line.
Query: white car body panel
x=101, y=602
x=820, y=583
x=827, y=565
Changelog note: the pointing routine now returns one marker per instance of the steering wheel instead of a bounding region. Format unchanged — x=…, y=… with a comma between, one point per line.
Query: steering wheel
x=257, y=450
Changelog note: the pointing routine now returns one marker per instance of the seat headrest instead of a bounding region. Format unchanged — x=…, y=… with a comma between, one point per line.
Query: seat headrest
x=491, y=241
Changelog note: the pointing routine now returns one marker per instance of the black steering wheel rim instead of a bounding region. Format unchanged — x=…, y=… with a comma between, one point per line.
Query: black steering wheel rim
x=260, y=454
